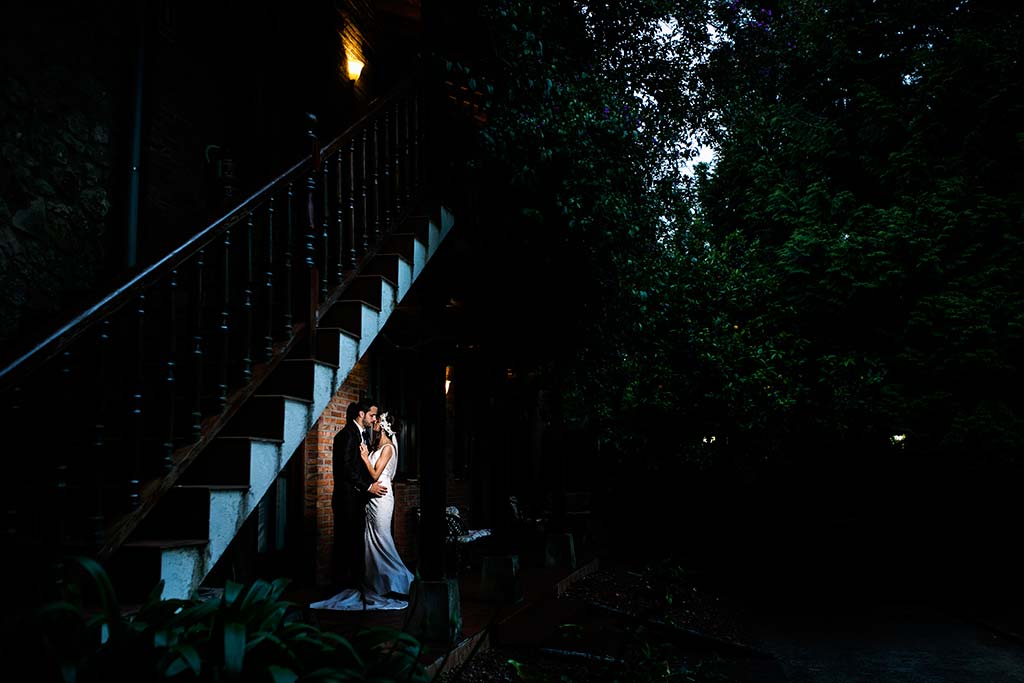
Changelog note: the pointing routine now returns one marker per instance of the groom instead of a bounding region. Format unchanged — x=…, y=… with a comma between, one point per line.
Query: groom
x=353, y=487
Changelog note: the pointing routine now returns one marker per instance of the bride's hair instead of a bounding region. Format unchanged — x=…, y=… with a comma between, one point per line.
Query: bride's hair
x=389, y=424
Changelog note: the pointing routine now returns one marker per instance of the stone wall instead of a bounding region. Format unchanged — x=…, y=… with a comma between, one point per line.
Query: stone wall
x=57, y=117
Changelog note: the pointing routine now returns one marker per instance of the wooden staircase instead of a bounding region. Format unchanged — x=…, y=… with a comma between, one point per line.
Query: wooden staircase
x=148, y=428
x=191, y=527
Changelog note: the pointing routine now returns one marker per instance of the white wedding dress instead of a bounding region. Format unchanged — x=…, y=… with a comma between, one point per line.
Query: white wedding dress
x=386, y=575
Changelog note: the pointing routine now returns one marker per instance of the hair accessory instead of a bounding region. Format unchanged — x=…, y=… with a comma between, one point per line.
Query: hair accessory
x=386, y=426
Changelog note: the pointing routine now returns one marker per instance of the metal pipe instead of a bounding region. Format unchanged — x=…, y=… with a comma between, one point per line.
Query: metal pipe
x=132, y=245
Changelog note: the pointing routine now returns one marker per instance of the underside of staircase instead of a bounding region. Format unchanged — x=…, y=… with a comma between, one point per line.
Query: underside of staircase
x=193, y=523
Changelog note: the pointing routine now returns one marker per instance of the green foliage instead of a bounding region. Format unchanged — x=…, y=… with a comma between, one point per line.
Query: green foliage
x=868, y=157
x=847, y=270
x=248, y=634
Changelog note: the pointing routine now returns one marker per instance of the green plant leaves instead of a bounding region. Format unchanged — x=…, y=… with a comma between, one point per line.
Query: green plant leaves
x=248, y=633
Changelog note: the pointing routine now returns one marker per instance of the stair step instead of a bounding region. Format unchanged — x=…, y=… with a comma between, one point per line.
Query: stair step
x=338, y=347
x=296, y=377
x=227, y=461
x=387, y=265
x=138, y=566
x=420, y=226
x=183, y=511
x=366, y=288
x=345, y=315
x=403, y=244
x=265, y=416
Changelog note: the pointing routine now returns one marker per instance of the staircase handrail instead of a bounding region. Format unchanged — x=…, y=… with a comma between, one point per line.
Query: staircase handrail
x=53, y=343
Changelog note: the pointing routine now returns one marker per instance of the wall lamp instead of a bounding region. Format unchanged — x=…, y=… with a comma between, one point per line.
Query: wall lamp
x=355, y=67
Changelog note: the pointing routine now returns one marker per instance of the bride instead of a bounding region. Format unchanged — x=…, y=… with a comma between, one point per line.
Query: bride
x=387, y=579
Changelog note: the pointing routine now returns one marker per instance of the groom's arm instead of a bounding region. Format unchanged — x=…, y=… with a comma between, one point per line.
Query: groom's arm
x=347, y=464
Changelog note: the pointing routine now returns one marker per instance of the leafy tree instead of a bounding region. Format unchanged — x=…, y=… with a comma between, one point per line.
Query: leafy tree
x=869, y=154
x=839, y=291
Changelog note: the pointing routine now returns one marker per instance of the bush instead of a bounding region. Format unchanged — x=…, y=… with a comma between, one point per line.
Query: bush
x=247, y=634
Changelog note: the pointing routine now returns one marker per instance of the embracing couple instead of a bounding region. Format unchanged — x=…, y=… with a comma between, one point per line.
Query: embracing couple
x=365, y=461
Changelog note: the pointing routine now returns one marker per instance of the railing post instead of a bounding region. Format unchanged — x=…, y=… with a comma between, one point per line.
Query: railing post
x=63, y=474
x=268, y=285
x=99, y=445
x=385, y=185
x=135, y=409
x=362, y=189
x=310, y=299
x=344, y=256
x=225, y=324
x=197, y=346
x=376, y=167
x=396, y=163
x=250, y=239
x=287, y=320
x=325, y=245
x=351, y=147
x=407, y=155
x=169, y=379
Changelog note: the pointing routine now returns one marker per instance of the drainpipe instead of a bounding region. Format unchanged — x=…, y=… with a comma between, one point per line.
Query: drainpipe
x=132, y=247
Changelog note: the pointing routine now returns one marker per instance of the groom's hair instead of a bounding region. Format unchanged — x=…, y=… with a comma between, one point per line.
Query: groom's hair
x=354, y=408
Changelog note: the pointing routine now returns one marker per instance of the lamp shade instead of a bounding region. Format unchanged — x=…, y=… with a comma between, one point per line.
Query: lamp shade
x=355, y=67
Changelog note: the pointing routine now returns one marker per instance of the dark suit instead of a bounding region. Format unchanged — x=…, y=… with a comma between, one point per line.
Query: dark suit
x=351, y=481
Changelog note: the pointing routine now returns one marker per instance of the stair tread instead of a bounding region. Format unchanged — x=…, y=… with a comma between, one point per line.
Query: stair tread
x=337, y=328
x=307, y=401
x=228, y=487
x=166, y=542
x=383, y=277
x=316, y=361
x=234, y=437
x=364, y=302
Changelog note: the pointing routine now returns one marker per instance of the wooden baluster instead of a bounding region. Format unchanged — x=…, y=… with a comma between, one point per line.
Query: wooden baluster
x=135, y=414
x=396, y=175
x=250, y=244
x=415, y=172
x=166, y=459
x=99, y=406
x=406, y=156
x=62, y=481
x=385, y=181
x=309, y=256
x=287, y=321
x=362, y=190
x=344, y=259
x=324, y=246
x=268, y=285
x=224, y=329
x=351, y=149
x=14, y=421
x=309, y=299
x=197, y=346
x=376, y=180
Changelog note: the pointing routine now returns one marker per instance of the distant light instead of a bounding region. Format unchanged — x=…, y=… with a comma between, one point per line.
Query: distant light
x=709, y=439
x=355, y=67
x=898, y=439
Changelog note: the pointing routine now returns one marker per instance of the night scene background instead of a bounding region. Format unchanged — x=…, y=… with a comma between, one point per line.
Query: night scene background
x=726, y=286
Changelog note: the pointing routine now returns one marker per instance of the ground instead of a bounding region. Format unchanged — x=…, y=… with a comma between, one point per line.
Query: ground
x=655, y=622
